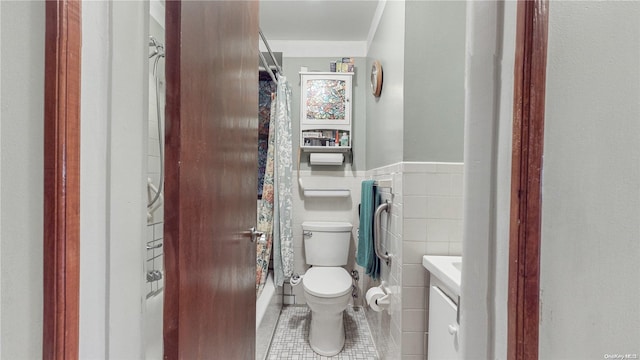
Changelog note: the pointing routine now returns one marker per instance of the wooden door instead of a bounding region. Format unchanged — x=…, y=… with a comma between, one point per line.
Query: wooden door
x=210, y=194
x=526, y=178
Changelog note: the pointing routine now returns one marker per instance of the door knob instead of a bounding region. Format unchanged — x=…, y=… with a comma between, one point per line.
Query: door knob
x=255, y=234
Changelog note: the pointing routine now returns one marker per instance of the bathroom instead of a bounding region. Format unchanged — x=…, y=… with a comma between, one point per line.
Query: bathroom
x=388, y=144
x=412, y=135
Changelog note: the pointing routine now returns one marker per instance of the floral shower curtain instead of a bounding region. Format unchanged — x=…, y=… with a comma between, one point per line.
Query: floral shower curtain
x=282, y=213
x=265, y=209
x=275, y=207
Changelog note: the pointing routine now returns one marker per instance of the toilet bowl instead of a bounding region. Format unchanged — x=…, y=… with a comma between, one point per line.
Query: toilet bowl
x=327, y=291
x=327, y=285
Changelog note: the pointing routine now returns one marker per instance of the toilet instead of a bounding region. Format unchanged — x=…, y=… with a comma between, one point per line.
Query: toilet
x=327, y=285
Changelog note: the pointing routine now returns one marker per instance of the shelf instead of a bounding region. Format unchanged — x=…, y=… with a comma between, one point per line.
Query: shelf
x=342, y=149
x=325, y=73
x=327, y=192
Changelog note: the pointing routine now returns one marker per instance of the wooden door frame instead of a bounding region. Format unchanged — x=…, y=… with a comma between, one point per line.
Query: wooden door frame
x=526, y=179
x=61, y=238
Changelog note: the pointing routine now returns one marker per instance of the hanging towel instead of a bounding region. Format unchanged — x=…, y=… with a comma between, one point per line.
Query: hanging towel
x=366, y=256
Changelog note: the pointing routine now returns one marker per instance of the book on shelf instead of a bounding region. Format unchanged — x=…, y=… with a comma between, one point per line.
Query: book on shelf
x=346, y=64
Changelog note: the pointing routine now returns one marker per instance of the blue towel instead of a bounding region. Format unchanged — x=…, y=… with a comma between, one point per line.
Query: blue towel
x=366, y=256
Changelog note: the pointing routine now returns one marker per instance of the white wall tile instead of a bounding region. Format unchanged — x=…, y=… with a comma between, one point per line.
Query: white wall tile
x=287, y=289
x=438, y=184
x=149, y=233
x=452, y=168
x=297, y=235
x=397, y=208
x=413, y=343
x=413, y=357
x=298, y=292
x=444, y=230
x=418, y=167
x=414, y=320
x=152, y=148
x=456, y=231
x=428, y=206
x=444, y=207
x=395, y=223
x=415, y=207
x=437, y=248
x=414, y=297
x=414, y=275
x=288, y=299
x=455, y=249
x=153, y=165
x=456, y=184
x=413, y=251
x=158, y=231
x=398, y=184
x=396, y=336
x=414, y=229
x=415, y=183
x=299, y=264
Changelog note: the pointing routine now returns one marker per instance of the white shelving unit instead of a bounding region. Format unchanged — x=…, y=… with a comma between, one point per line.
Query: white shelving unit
x=325, y=111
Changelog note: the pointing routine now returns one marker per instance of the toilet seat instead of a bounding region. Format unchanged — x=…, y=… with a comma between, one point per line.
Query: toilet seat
x=327, y=282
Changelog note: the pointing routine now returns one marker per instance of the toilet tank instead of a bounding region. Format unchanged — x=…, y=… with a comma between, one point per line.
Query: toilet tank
x=326, y=243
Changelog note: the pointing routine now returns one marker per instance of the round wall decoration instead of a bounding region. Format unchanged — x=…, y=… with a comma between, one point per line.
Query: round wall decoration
x=376, y=78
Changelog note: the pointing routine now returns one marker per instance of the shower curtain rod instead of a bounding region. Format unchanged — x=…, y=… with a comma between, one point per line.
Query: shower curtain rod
x=267, y=68
x=266, y=44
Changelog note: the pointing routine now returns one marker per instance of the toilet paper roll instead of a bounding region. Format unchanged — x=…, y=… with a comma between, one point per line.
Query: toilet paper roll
x=372, y=295
x=326, y=159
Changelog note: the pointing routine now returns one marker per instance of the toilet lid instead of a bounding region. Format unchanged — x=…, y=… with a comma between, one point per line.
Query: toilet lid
x=327, y=281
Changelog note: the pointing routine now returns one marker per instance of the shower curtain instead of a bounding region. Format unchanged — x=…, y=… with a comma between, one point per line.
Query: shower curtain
x=275, y=206
x=282, y=214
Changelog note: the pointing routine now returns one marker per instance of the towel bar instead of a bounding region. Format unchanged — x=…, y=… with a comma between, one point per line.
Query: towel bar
x=376, y=232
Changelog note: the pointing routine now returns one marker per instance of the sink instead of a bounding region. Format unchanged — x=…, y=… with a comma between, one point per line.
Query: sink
x=457, y=265
x=446, y=268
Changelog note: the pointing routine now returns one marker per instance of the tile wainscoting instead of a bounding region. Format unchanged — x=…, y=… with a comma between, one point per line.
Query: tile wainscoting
x=343, y=209
x=425, y=218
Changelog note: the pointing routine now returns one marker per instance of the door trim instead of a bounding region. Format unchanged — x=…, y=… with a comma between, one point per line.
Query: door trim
x=61, y=238
x=526, y=179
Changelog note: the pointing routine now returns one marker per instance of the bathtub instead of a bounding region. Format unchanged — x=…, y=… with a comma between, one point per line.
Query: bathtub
x=268, y=307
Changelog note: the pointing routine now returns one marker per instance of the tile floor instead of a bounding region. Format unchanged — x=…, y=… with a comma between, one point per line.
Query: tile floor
x=290, y=338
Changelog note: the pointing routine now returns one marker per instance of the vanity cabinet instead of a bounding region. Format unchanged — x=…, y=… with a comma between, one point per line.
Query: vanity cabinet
x=325, y=111
x=443, y=326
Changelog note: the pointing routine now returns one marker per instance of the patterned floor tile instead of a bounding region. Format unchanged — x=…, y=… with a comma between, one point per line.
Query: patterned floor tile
x=290, y=341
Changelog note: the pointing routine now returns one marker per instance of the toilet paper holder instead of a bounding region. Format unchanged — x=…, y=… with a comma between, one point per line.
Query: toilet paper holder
x=378, y=298
x=383, y=301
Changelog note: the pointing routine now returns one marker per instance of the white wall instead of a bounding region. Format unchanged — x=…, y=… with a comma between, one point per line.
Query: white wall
x=434, y=81
x=93, y=184
x=591, y=199
x=506, y=17
x=488, y=119
x=385, y=115
x=113, y=217
x=153, y=309
x=0, y=184
x=127, y=215
x=21, y=169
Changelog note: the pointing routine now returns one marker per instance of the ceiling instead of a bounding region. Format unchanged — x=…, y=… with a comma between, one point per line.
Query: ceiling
x=328, y=20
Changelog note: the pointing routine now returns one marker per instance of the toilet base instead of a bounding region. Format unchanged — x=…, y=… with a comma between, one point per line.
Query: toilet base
x=326, y=333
